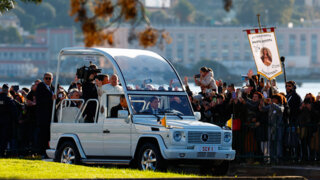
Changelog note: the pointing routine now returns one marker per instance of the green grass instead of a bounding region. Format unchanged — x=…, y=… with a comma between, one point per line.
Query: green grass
x=37, y=169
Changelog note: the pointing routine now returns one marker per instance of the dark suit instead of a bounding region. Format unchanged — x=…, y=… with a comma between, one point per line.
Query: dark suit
x=151, y=111
x=9, y=116
x=89, y=91
x=43, y=114
x=115, y=109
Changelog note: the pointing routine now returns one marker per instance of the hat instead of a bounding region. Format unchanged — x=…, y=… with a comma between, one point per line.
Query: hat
x=5, y=87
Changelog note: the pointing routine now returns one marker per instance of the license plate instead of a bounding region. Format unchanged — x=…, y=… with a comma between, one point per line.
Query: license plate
x=205, y=149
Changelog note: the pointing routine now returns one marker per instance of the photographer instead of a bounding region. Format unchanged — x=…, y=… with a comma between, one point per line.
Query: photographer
x=206, y=80
x=89, y=90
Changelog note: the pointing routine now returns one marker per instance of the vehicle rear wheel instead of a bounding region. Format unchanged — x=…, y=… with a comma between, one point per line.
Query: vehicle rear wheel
x=150, y=158
x=68, y=153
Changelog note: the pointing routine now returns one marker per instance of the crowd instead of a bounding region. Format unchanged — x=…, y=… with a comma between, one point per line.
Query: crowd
x=267, y=125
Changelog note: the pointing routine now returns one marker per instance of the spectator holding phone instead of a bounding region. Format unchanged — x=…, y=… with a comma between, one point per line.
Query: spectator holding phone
x=206, y=79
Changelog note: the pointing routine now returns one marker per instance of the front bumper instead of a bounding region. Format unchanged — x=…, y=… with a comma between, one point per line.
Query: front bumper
x=192, y=154
x=51, y=153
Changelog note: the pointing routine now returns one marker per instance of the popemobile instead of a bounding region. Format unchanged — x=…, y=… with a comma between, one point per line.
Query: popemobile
x=154, y=126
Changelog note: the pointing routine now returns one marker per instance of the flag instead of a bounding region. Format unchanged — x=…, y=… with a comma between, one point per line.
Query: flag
x=265, y=52
x=163, y=121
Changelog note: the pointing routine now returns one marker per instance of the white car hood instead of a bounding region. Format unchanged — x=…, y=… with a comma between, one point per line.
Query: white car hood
x=178, y=123
x=187, y=124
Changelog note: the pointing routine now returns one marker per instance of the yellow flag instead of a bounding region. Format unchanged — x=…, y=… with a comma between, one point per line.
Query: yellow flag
x=229, y=123
x=164, y=121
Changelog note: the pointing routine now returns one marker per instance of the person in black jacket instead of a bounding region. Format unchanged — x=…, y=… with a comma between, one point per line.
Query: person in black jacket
x=121, y=106
x=89, y=91
x=44, y=102
x=294, y=101
x=9, y=114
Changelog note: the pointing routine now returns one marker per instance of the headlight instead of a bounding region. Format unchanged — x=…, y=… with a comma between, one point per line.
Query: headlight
x=177, y=135
x=227, y=137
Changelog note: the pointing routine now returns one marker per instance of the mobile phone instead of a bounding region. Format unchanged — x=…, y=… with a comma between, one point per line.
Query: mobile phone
x=197, y=76
x=243, y=77
x=265, y=94
x=15, y=88
x=234, y=96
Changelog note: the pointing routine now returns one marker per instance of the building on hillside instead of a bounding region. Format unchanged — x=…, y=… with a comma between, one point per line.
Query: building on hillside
x=230, y=45
x=55, y=39
x=34, y=59
x=23, y=61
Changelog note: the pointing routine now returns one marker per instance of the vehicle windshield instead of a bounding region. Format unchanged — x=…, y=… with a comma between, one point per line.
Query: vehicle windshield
x=146, y=71
x=160, y=105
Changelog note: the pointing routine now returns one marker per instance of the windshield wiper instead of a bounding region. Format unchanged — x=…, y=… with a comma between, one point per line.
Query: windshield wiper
x=172, y=112
x=158, y=117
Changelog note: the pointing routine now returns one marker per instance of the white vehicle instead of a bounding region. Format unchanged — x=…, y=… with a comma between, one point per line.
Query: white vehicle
x=135, y=136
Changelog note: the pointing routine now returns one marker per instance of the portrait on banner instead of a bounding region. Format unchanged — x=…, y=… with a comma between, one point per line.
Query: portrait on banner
x=265, y=53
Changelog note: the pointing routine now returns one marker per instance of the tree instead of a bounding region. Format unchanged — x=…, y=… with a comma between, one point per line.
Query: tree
x=183, y=10
x=159, y=17
x=44, y=13
x=26, y=21
x=100, y=18
x=6, y=5
x=248, y=9
x=10, y=35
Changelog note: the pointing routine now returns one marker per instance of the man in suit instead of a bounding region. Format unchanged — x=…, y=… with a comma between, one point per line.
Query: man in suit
x=44, y=102
x=121, y=106
x=153, y=106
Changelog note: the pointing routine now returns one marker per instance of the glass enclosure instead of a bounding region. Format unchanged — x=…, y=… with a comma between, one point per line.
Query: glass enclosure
x=160, y=105
x=145, y=70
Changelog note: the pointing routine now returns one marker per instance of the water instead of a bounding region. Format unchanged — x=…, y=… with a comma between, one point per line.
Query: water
x=308, y=87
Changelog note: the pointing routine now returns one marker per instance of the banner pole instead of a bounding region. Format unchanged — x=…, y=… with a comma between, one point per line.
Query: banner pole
x=258, y=15
x=282, y=59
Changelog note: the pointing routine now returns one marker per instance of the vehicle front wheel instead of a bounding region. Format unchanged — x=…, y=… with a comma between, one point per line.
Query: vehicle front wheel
x=150, y=158
x=68, y=153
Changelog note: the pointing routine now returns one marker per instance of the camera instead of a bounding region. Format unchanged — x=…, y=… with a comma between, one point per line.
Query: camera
x=197, y=76
x=84, y=72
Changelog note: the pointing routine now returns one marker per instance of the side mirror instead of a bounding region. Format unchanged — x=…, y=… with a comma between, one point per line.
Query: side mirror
x=197, y=115
x=123, y=114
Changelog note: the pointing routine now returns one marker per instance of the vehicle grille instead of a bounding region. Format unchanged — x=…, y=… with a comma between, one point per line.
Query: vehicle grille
x=194, y=137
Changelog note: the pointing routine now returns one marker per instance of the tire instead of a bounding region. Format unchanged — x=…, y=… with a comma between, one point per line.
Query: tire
x=215, y=170
x=150, y=158
x=68, y=153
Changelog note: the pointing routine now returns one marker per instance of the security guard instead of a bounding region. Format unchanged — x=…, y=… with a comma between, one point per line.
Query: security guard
x=8, y=115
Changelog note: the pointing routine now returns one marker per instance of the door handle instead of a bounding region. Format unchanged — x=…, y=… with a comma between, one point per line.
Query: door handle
x=106, y=131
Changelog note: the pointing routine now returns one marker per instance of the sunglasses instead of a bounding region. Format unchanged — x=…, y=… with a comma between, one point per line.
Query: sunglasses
x=47, y=78
x=288, y=86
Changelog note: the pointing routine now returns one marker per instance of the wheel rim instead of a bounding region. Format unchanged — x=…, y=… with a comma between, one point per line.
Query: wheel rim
x=149, y=160
x=68, y=155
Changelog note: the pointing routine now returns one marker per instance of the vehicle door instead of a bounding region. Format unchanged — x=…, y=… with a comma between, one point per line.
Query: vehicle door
x=71, y=121
x=116, y=130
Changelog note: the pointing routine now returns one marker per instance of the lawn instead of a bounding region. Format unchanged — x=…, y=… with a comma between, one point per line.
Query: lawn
x=37, y=169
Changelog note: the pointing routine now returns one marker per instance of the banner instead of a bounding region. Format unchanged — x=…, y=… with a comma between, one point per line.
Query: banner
x=265, y=53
